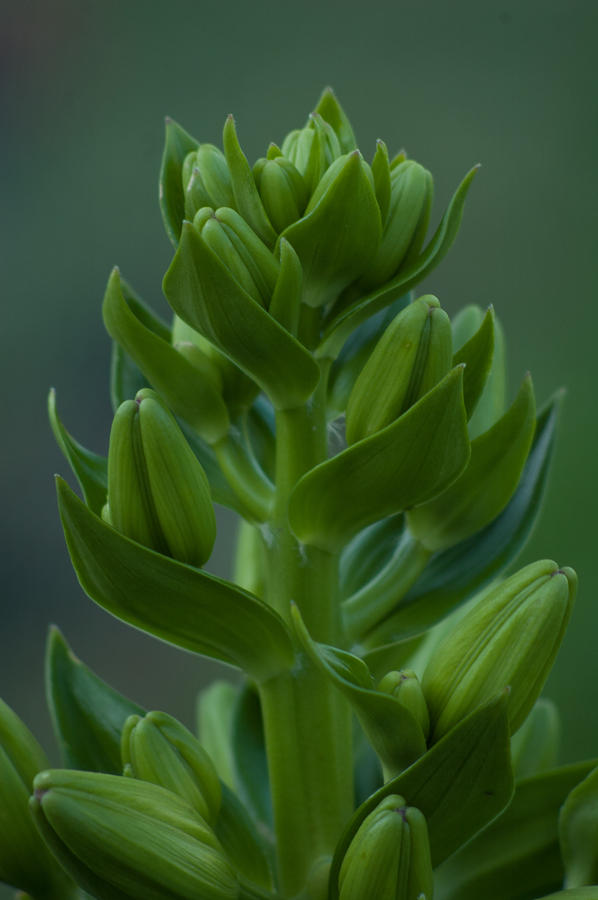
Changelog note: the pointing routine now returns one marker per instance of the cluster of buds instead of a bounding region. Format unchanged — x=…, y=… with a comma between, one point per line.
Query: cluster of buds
x=294, y=321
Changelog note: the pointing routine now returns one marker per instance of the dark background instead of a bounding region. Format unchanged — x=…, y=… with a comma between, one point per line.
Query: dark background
x=84, y=90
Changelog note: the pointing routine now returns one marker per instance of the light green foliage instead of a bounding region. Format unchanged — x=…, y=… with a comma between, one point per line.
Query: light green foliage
x=364, y=748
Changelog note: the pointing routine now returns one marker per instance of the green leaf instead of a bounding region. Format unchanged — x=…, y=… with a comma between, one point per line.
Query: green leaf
x=487, y=484
x=221, y=490
x=459, y=785
x=173, y=601
x=191, y=393
x=338, y=235
x=517, y=857
x=90, y=469
x=87, y=714
x=368, y=553
x=346, y=317
x=249, y=749
x=392, y=730
x=584, y=893
x=578, y=830
x=245, y=190
x=172, y=198
x=215, y=711
x=332, y=112
x=204, y=294
x=477, y=354
x=453, y=576
x=408, y=462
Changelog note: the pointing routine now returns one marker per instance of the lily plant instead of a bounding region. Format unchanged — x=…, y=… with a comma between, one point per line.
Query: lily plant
x=379, y=731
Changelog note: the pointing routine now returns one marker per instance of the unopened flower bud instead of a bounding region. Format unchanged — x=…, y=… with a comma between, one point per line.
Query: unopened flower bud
x=405, y=687
x=283, y=190
x=25, y=861
x=405, y=224
x=411, y=357
x=158, y=492
x=118, y=834
x=206, y=180
x=509, y=639
x=159, y=749
x=389, y=856
x=246, y=257
x=312, y=149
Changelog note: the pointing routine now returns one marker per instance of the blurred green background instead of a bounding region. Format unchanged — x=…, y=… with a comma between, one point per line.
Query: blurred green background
x=84, y=90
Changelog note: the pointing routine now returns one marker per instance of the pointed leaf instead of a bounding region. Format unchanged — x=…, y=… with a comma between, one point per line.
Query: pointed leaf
x=487, y=484
x=245, y=190
x=453, y=576
x=204, y=294
x=459, y=785
x=241, y=840
x=338, y=235
x=477, y=355
x=392, y=730
x=190, y=393
x=87, y=714
x=517, y=856
x=332, y=112
x=408, y=462
x=90, y=469
x=172, y=198
x=173, y=601
x=344, y=320
x=221, y=490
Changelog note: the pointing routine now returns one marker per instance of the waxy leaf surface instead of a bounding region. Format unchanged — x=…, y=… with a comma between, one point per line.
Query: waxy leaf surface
x=406, y=463
x=173, y=601
x=172, y=198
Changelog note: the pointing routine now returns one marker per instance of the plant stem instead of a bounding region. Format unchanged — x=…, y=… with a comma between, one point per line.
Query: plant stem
x=307, y=722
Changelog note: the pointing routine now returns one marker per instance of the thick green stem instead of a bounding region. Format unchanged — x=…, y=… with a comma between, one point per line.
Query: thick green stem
x=307, y=722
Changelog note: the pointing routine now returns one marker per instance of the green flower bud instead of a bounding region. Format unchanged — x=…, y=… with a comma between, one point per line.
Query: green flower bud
x=405, y=686
x=159, y=749
x=239, y=248
x=121, y=837
x=312, y=149
x=206, y=180
x=411, y=357
x=389, y=856
x=509, y=639
x=25, y=861
x=158, y=492
x=405, y=224
x=283, y=190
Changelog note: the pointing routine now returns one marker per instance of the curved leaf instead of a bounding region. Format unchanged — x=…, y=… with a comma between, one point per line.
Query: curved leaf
x=173, y=601
x=578, y=831
x=483, y=490
x=392, y=730
x=517, y=856
x=90, y=469
x=344, y=320
x=251, y=764
x=455, y=575
x=204, y=294
x=460, y=785
x=189, y=392
x=87, y=714
x=406, y=463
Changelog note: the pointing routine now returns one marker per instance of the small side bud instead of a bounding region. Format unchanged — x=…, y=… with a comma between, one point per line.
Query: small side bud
x=389, y=856
x=405, y=687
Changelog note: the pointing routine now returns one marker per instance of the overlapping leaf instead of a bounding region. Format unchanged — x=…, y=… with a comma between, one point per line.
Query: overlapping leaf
x=173, y=601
